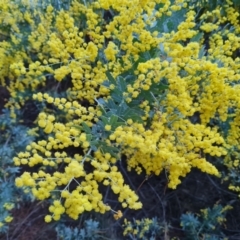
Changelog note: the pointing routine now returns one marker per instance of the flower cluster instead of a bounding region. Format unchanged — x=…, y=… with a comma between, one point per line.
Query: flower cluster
x=113, y=78
x=143, y=229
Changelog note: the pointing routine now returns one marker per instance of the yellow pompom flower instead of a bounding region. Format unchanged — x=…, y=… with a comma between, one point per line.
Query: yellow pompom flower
x=49, y=128
x=117, y=215
x=48, y=218
x=8, y=219
x=42, y=123
x=19, y=182
x=108, y=127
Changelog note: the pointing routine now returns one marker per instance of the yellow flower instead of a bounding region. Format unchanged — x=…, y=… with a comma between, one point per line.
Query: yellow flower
x=118, y=215
x=92, y=51
x=49, y=127
x=9, y=206
x=108, y=127
x=19, y=182
x=48, y=218
x=8, y=219
x=111, y=51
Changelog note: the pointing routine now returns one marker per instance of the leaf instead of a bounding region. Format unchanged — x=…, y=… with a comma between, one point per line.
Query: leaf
x=202, y=52
x=93, y=145
x=12, y=169
x=109, y=149
x=111, y=105
x=162, y=87
x=189, y=221
x=88, y=137
x=106, y=83
x=121, y=109
x=121, y=83
x=170, y=23
x=170, y=26
x=113, y=119
x=98, y=128
x=131, y=113
x=117, y=96
x=82, y=234
x=100, y=101
x=105, y=120
x=110, y=77
x=86, y=128
x=197, y=37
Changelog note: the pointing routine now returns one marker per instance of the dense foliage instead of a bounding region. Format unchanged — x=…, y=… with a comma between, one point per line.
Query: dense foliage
x=99, y=88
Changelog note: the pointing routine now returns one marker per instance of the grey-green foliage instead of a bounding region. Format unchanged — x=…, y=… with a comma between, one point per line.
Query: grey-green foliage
x=212, y=4
x=144, y=229
x=117, y=110
x=168, y=24
x=206, y=225
x=13, y=138
x=90, y=231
